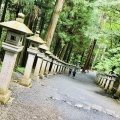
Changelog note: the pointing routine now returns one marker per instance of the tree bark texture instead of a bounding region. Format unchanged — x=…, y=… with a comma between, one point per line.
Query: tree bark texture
x=96, y=56
x=3, y=15
x=53, y=23
x=63, y=51
x=69, y=54
x=57, y=46
x=0, y=3
x=89, y=56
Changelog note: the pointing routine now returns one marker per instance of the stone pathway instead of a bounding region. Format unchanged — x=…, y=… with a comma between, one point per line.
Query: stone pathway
x=60, y=97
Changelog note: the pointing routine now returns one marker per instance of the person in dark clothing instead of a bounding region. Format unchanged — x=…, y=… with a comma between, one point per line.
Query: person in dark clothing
x=70, y=70
x=74, y=73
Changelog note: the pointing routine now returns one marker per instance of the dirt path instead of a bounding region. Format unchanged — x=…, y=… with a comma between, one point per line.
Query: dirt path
x=60, y=97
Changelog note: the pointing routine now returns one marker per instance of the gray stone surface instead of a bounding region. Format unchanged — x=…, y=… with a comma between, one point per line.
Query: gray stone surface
x=60, y=98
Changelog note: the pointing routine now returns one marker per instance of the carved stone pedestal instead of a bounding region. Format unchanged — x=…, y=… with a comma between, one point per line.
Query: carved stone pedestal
x=26, y=80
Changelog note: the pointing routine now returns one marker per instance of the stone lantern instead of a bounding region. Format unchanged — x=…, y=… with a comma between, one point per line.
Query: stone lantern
x=43, y=48
x=48, y=53
x=40, y=55
x=58, y=69
x=56, y=64
x=16, y=31
x=35, y=41
x=53, y=64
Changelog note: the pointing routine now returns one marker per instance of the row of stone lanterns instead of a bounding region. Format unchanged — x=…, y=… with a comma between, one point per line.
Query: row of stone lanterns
x=16, y=32
x=107, y=83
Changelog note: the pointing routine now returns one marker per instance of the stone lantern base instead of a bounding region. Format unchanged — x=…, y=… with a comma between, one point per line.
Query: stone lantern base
x=25, y=82
x=5, y=97
x=35, y=78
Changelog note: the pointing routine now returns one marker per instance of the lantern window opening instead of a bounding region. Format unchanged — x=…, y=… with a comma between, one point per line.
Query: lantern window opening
x=13, y=38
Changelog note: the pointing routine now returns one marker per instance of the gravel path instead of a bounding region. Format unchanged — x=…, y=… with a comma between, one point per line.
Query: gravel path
x=60, y=97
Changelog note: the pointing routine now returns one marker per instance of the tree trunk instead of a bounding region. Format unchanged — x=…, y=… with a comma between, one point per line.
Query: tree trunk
x=63, y=51
x=34, y=26
x=69, y=54
x=96, y=56
x=42, y=22
x=3, y=15
x=53, y=23
x=0, y=3
x=57, y=46
x=67, y=51
x=30, y=23
x=89, y=56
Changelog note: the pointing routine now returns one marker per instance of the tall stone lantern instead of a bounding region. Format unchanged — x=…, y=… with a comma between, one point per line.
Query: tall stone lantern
x=43, y=48
x=35, y=75
x=35, y=41
x=16, y=31
x=48, y=53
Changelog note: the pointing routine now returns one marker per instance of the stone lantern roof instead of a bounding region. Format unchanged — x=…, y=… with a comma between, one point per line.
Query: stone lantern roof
x=17, y=25
x=44, y=47
x=36, y=38
x=52, y=56
x=48, y=52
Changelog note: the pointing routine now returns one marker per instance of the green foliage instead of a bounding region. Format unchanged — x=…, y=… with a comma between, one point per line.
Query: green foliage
x=21, y=69
x=112, y=60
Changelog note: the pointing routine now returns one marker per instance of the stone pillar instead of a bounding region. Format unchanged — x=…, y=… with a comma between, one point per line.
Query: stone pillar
x=117, y=94
x=111, y=86
x=58, y=69
x=99, y=79
x=25, y=80
x=42, y=70
x=53, y=66
x=103, y=82
x=62, y=68
x=7, y=70
x=107, y=83
x=35, y=75
x=47, y=68
x=67, y=70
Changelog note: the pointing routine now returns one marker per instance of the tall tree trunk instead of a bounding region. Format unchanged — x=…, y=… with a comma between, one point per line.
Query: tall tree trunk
x=89, y=56
x=69, y=54
x=0, y=3
x=34, y=26
x=53, y=23
x=18, y=10
x=96, y=56
x=57, y=46
x=30, y=23
x=3, y=15
x=63, y=51
x=42, y=22
x=67, y=51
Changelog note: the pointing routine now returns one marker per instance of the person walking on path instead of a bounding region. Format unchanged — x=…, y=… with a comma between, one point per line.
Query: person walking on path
x=70, y=71
x=74, y=73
